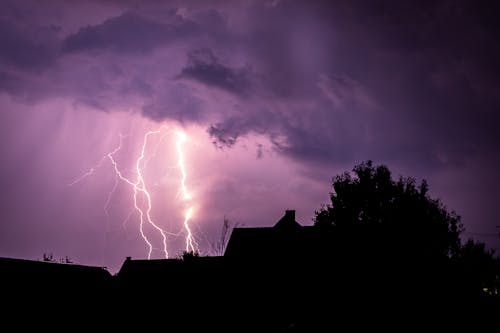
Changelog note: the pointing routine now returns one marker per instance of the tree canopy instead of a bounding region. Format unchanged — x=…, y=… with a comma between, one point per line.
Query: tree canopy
x=370, y=196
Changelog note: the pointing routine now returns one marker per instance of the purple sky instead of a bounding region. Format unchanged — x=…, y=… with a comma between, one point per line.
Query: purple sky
x=276, y=97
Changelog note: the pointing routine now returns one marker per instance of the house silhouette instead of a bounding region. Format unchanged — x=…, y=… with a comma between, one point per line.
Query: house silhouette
x=286, y=239
x=37, y=274
x=289, y=241
x=247, y=249
x=44, y=293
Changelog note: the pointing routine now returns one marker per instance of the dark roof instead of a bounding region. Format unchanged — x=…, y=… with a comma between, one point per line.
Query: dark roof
x=170, y=269
x=17, y=270
x=286, y=239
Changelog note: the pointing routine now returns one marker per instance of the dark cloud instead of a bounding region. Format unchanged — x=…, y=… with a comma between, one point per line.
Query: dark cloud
x=129, y=32
x=110, y=64
x=175, y=103
x=10, y=83
x=225, y=134
x=267, y=122
x=342, y=81
x=27, y=48
x=205, y=67
x=322, y=129
x=137, y=85
x=334, y=81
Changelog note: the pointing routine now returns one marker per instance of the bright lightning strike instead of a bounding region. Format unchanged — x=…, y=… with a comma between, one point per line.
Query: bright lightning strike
x=139, y=186
x=191, y=244
x=141, y=195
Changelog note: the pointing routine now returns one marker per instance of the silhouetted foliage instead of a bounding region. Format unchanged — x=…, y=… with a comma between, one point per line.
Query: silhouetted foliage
x=66, y=260
x=49, y=257
x=370, y=196
x=218, y=246
x=481, y=267
x=189, y=255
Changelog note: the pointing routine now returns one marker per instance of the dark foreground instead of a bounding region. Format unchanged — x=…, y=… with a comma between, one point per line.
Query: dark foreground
x=214, y=294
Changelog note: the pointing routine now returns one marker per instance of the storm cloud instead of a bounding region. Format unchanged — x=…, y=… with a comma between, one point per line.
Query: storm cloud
x=328, y=74
x=129, y=33
x=203, y=66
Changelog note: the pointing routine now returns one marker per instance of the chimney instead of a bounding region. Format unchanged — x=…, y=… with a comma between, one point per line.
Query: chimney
x=288, y=220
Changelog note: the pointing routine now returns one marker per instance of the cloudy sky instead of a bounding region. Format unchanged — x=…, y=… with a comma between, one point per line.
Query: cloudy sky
x=274, y=98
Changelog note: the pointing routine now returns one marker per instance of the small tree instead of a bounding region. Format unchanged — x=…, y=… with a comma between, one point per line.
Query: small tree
x=218, y=246
x=370, y=196
x=189, y=255
x=48, y=257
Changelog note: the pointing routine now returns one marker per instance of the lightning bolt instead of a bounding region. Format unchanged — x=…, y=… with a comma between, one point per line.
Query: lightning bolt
x=139, y=187
x=125, y=220
x=90, y=172
x=108, y=200
x=191, y=244
x=142, y=196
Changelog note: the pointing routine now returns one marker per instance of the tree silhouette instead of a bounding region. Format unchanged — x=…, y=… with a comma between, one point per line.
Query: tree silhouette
x=218, y=246
x=481, y=267
x=48, y=257
x=370, y=196
x=189, y=255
